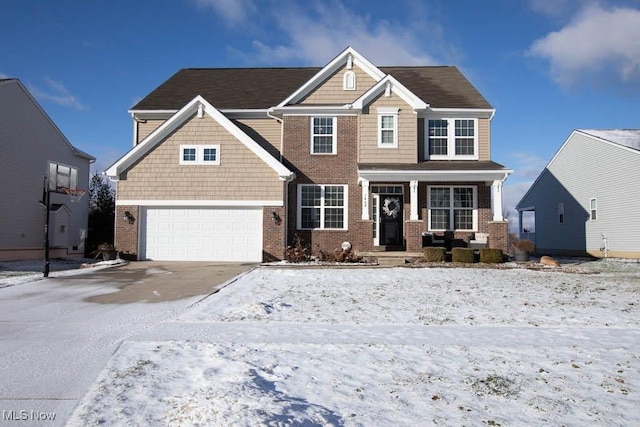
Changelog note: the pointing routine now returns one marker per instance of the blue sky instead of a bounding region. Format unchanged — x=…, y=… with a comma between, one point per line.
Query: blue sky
x=547, y=66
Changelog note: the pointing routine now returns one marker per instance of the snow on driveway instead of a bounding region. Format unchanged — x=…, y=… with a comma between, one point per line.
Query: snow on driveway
x=397, y=346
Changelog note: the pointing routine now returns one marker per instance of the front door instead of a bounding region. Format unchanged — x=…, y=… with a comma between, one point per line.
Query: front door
x=390, y=214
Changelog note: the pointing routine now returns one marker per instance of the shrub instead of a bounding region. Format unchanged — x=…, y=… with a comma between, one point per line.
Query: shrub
x=526, y=245
x=464, y=255
x=434, y=254
x=299, y=252
x=491, y=256
x=338, y=255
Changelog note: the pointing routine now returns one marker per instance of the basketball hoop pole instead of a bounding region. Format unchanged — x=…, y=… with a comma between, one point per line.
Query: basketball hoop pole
x=47, y=203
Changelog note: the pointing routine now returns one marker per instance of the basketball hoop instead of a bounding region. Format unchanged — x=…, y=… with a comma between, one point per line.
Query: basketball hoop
x=74, y=193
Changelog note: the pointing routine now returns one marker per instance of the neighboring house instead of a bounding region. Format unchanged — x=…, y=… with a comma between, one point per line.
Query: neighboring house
x=231, y=164
x=32, y=148
x=587, y=199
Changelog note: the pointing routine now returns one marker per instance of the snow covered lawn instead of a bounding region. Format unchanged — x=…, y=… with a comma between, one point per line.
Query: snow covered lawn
x=398, y=346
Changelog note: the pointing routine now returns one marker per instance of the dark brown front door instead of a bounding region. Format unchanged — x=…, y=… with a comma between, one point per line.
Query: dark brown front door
x=391, y=220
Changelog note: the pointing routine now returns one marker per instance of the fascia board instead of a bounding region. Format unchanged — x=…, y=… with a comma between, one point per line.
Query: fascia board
x=456, y=112
x=434, y=176
x=311, y=110
x=331, y=68
x=396, y=87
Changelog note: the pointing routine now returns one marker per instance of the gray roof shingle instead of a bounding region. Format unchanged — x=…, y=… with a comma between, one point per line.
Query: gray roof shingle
x=629, y=138
x=261, y=88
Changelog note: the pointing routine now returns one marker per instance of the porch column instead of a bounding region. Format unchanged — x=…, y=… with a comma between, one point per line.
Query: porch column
x=413, y=185
x=365, y=198
x=496, y=201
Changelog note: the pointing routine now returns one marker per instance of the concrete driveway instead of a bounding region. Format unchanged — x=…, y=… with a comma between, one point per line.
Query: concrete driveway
x=57, y=334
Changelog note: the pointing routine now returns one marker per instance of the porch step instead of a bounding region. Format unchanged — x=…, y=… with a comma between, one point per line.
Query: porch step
x=391, y=259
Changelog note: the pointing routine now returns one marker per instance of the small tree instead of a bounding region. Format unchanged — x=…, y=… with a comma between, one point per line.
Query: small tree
x=102, y=211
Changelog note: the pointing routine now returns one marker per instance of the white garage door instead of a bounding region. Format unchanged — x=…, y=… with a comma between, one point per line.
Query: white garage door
x=202, y=234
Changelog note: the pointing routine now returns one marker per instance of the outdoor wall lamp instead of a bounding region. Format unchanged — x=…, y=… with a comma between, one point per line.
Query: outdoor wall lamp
x=128, y=217
x=276, y=218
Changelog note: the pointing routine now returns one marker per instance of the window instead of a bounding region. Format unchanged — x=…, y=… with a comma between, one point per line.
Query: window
x=388, y=127
x=452, y=208
x=323, y=135
x=560, y=212
x=199, y=154
x=322, y=207
x=61, y=176
x=593, y=209
x=452, y=138
x=349, y=81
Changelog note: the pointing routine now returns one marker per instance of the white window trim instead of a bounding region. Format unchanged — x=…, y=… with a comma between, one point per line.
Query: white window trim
x=334, y=145
x=451, y=218
x=199, y=155
x=451, y=139
x=593, y=199
x=345, y=208
x=388, y=112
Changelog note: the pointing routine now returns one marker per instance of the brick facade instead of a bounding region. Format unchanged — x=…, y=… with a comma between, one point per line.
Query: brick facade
x=126, y=235
x=273, y=232
x=340, y=168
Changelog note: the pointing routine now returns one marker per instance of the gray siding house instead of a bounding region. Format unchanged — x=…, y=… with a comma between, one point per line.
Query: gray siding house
x=587, y=200
x=32, y=148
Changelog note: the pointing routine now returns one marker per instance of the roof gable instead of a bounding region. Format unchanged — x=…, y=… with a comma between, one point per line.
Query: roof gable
x=45, y=116
x=390, y=84
x=349, y=55
x=197, y=105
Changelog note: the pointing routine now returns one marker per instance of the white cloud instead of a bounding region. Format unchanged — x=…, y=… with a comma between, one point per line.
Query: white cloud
x=58, y=94
x=598, y=46
x=3, y=76
x=232, y=11
x=315, y=31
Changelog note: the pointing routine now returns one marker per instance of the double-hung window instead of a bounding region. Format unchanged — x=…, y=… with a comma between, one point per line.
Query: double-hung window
x=323, y=135
x=199, y=154
x=593, y=209
x=452, y=208
x=387, y=127
x=452, y=139
x=322, y=207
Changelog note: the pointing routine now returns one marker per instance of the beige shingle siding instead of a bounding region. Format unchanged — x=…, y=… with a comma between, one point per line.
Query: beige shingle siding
x=331, y=90
x=146, y=127
x=241, y=175
x=266, y=132
x=484, y=139
x=407, y=151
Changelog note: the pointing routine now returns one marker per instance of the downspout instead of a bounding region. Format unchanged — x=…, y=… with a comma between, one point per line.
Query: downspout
x=281, y=131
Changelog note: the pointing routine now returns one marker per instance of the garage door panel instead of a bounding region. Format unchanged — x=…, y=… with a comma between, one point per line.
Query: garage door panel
x=202, y=234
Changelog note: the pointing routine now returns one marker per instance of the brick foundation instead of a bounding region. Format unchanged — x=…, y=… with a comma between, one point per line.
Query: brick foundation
x=126, y=235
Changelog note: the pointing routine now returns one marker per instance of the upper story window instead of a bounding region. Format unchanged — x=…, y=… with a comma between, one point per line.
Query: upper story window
x=452, y=208
x=199, y=154
x=62, y=176
x=323, y=135
x=322, y=207
x=593, y=209
x=387, y=127
x=452, y=139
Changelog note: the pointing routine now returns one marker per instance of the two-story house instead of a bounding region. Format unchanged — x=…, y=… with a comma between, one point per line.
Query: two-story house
x=34, y=153
x=231, y=164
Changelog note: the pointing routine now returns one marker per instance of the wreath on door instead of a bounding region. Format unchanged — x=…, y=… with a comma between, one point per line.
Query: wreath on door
x=388, y=209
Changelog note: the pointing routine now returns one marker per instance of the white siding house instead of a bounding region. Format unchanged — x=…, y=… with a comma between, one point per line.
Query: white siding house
x=587, y=199
x=32, y=148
